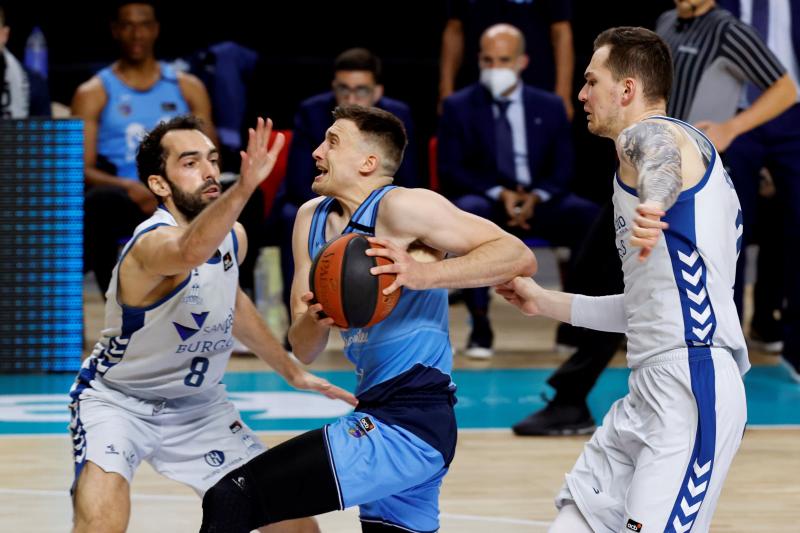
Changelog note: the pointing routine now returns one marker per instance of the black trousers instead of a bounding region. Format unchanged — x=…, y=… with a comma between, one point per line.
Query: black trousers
x=596, y=272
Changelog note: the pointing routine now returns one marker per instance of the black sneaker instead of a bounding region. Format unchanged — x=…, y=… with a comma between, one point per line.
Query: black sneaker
x=480, y=341
x=556, y=420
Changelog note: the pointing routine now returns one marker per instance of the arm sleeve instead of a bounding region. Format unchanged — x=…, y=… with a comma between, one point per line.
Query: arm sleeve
x=745, y=49
x=601, y=313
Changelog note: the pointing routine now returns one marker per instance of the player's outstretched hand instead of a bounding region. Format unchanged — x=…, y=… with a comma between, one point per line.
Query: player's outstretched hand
x=522, y=293
x=315, y=311
x=307, y=381
x=410, y=272
x=647, y=228
x=258, y=161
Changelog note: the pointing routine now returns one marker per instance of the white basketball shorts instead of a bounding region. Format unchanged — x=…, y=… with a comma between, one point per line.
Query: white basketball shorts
x=659, y=459
x=194, y=440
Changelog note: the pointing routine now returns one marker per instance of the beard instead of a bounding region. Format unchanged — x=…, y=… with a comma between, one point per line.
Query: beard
x=191, y=204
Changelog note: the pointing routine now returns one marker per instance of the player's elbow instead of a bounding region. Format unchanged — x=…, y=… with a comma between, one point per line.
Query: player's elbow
x=528, y=264
x=522, y=261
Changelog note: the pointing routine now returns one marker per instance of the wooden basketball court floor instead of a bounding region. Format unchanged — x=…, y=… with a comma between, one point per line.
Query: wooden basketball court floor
x=498, y=483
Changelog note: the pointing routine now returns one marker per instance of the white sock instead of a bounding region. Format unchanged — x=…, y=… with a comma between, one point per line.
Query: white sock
x=570, y=520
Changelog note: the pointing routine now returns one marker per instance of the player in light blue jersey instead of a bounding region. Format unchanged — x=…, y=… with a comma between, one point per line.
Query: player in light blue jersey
x=660, y=458
x=388, y=457
x=151, y=389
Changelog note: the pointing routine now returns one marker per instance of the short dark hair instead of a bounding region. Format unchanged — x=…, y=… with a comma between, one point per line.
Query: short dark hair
x=2, y=17
x=358, y=59
x=119, y=4
x=379, y=126
x=639, y=53
x=151, y=158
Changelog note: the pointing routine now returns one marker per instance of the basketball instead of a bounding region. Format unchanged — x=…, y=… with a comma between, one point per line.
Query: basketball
x=341, y=281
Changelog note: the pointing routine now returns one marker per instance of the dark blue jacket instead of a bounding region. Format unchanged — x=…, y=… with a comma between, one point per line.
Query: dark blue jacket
x=312, y=120
x=467, y=160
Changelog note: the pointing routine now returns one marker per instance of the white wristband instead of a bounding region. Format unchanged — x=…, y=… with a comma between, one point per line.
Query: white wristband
x=601, y=313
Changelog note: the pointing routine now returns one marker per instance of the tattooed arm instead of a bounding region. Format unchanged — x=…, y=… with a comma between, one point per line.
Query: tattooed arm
x=651, y=147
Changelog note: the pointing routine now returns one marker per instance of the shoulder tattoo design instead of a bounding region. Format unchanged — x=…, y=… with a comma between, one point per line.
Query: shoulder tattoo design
x=651, y=147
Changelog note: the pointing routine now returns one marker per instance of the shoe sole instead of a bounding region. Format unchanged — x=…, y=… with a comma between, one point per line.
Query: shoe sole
x=562, y=432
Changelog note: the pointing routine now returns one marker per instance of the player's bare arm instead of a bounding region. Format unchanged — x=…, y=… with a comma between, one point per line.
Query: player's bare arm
x=652, y=149
x=249, y=327
x=173, y=251
x=309, y=331
x=484, y=254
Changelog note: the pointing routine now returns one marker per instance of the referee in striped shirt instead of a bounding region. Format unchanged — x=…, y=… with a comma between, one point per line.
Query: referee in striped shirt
x=715, y=55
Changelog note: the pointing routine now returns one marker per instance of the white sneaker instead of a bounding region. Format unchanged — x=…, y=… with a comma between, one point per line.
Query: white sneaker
x=793, y=373
x=771, y=347
x=475, y=351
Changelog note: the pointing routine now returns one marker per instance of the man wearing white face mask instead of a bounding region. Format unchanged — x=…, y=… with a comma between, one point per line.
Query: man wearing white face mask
x=505, y=154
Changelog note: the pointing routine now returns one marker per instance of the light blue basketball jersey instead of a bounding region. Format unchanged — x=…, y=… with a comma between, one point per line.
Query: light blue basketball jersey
x=129, y=114
x=413, y=339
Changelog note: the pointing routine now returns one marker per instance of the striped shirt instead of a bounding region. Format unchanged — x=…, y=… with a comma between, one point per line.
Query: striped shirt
x=714, y=56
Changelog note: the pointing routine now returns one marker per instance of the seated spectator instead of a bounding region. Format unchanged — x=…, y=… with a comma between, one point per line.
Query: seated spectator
x=505, y=153
x=119, y=105
x=545, y=25
x=23, y=93
x=356, y=80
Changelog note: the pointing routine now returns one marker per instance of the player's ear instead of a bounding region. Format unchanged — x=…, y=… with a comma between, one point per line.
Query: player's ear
x=369, y=164
x=629, y=88
x=159, y=186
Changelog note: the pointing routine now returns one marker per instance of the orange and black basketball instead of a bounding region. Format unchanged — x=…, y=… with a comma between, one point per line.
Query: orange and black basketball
x=341, y=281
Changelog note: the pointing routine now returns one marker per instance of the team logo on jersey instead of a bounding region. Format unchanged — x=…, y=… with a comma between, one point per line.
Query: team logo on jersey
x=125, y=109
x=186, y=331
x=193, y=298
x=169, y=106
x=356, y=432
x=111, y=450
x=227, y=261
x=215, y=458
x=235, y=427
x=633, y=525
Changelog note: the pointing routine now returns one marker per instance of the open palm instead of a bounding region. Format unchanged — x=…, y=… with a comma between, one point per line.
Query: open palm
x=258, y=161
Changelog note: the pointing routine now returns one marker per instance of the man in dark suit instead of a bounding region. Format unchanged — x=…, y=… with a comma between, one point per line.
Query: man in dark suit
x=356, y=80
x=505, y=153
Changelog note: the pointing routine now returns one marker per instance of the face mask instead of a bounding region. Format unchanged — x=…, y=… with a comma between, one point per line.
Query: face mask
x=498, y=80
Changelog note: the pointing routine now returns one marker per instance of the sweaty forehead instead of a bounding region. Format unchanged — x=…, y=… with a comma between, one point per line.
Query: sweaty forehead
x=179, y=141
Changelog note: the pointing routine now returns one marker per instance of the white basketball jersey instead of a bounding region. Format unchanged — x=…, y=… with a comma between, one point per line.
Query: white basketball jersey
x=682, y=296
x=177, y=346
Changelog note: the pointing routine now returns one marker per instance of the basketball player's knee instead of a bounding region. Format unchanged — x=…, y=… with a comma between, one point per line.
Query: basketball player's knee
x=230, y=505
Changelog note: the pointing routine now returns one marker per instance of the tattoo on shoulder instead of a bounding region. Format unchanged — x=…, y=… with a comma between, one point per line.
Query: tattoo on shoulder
x=651, y=147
